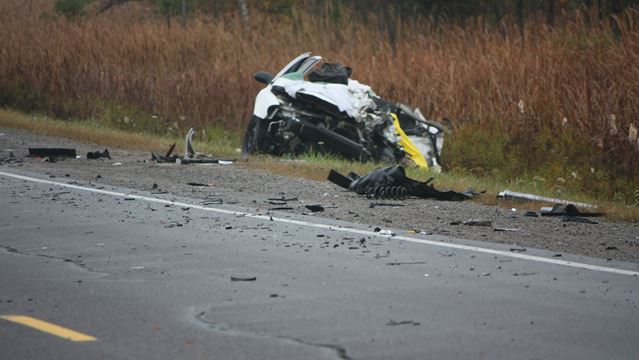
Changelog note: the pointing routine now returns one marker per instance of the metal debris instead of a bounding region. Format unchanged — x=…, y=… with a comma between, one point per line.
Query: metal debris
x=375, y=204
x=406, y=263
x=282, y=199
x=478, y=222
x=506, y=229
x=190, y=155
x=507, y=194
x=197, y=184
x=392, y=183
x=243, y=278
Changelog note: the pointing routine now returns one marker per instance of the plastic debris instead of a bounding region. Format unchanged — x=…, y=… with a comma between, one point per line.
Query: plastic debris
x=578, y=220
x=315, y=208
x=92, y=155
x=52, y=152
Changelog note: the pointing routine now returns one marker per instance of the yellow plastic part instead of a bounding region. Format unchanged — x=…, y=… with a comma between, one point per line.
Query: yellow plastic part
x=409, y=148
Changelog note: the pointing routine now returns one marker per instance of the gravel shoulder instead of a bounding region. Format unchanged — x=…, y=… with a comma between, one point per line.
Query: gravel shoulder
x=239, y=184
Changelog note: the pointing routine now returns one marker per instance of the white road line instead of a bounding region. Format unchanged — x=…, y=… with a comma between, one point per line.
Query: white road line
x=337, y=228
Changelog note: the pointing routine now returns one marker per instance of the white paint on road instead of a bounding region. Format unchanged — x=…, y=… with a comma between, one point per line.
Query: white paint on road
x=478, y=249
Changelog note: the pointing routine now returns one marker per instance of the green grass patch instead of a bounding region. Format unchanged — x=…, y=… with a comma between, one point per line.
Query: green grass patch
x=558, y=164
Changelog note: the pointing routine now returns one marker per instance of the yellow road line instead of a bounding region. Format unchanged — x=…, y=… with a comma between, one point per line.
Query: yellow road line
x=50, y=328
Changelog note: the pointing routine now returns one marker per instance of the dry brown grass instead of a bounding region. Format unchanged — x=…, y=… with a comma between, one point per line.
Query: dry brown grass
x=571, y=82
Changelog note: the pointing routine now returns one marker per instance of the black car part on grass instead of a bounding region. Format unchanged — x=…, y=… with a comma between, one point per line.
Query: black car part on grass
x=392, y=183
x=92, y=155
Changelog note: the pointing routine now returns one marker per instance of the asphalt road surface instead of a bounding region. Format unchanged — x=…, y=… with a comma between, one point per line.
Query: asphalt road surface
x=93, y=272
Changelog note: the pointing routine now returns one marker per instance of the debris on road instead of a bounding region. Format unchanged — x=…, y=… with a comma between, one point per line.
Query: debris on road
x=280, y=208
x=243, y=278
x=404, y=322
x=525, y=274
x=375, y=204
x=168, y=157
x=505, y=229
x=283, y=199
x=315, y=208
x=11, y=157
x=477, y=222
x=197, y=184
x=566, y=210
x=92, y=155
x=52, y=152
x=577, y=219
x=213, y=202
x=507, y=194
x=392, y=183
x=190, y=155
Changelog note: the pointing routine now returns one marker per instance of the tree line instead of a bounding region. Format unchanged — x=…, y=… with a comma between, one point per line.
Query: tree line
x=437, y=10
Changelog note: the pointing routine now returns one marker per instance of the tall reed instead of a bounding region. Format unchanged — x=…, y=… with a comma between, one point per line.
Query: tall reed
x=576, y=86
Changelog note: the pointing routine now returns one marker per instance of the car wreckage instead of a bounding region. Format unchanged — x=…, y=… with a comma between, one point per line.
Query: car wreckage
x=306, y=108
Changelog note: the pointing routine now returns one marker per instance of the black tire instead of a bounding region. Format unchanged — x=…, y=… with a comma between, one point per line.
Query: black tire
x=250, y=145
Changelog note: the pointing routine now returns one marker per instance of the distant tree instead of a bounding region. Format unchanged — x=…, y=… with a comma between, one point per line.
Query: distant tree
x=520, y=20
x=71, y=9
x=550, y=17
x=106, y=5
x=170, y=8
x=243, y=11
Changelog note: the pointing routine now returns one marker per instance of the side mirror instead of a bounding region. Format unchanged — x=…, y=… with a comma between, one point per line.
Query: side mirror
x=263, y=77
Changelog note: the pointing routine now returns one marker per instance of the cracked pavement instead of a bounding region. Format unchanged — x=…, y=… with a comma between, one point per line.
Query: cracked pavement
x=155, y=280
